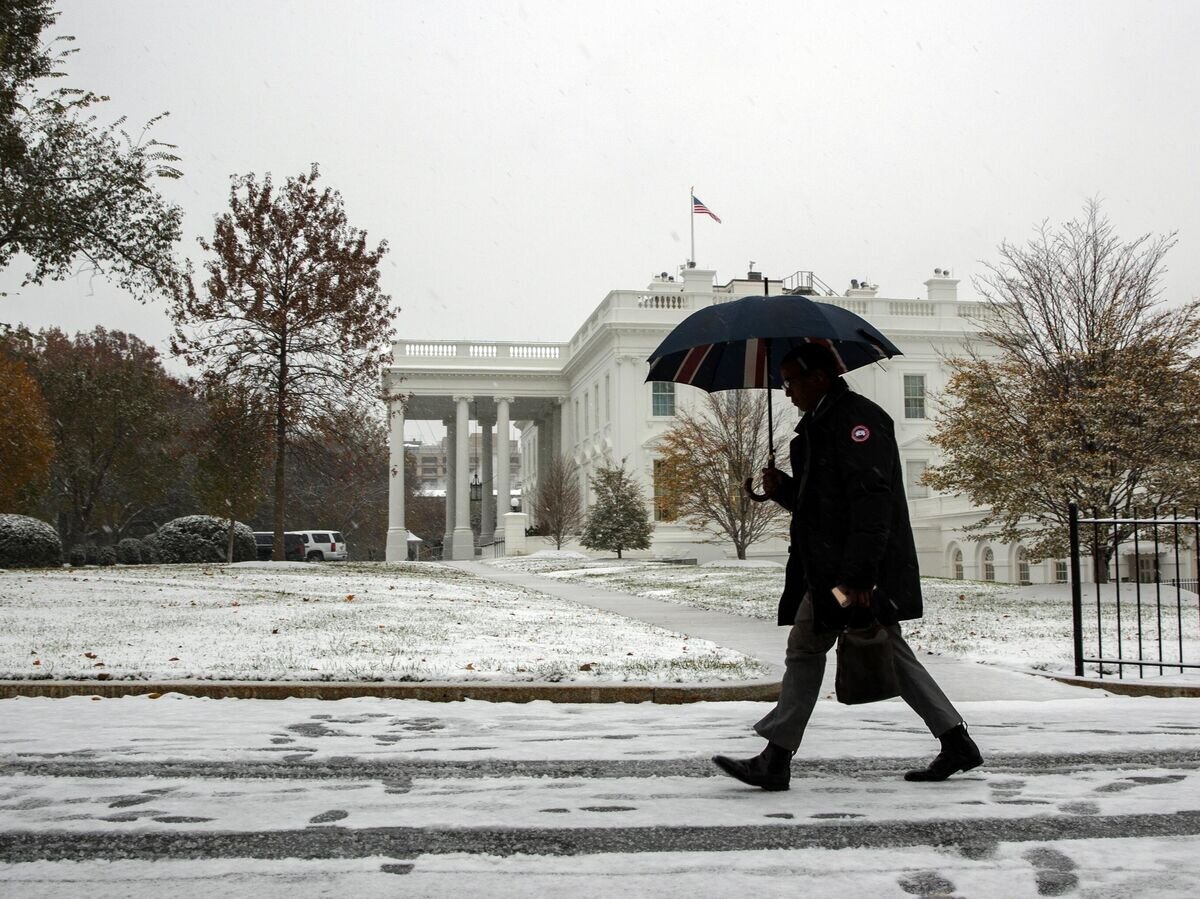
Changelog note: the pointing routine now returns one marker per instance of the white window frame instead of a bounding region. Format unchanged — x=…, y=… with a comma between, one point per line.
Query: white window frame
x=915, y=397
x=662, y=389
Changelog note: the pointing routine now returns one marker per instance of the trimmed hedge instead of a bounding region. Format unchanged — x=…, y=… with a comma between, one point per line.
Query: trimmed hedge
x=202, y=538
x=77, y=557
x=28, y=543
x=149, y=550
x=129, y=551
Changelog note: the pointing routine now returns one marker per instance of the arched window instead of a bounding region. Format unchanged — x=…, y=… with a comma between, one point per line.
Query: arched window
x=989, y=564
x=1023, y=566
x=958, y=565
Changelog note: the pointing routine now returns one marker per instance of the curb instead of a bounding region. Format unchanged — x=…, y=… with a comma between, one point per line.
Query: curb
x=1131, y=688
x=667, y=694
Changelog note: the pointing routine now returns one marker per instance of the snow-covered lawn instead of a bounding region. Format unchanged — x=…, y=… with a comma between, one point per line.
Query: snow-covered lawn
x=294, y=621
x=1022, y=627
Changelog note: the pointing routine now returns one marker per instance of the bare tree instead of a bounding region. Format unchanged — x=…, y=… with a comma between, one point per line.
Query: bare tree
x=1086, y=393
x=292, y=307
x=557, y=501
x=704, y=459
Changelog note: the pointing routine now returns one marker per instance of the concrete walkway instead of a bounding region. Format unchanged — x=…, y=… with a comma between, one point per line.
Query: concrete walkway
x=763, y=640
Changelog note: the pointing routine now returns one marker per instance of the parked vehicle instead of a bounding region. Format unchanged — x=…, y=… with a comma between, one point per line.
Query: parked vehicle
x=324, y=546
x=293, y=546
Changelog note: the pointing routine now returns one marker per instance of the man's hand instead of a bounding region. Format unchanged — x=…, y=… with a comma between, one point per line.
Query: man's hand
x=772, y=479
x=853, y=597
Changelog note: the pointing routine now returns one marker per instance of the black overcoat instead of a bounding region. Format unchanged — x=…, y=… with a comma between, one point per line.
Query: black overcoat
x=849, y=513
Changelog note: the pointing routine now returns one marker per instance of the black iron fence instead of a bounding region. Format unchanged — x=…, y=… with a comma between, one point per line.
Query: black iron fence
x=1147, y=616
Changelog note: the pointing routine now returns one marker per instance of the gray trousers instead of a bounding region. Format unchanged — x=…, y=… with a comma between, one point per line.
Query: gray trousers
x=806, y=651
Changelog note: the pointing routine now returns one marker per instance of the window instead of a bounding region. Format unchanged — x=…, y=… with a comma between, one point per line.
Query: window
x=1023, y=566
x=912, y=477
x=1060, y=571
x=914, y=396
x=663, y=398
x=958, y=565
x=587, y=415
x=577, y=421
x=662, y=505
x=607, y=399
x=989, y=564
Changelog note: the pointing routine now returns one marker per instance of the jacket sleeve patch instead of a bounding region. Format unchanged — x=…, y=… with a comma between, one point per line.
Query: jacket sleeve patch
x=860, y=433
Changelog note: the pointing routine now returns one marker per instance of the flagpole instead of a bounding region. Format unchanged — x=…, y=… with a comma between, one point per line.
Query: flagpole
x=692, y=218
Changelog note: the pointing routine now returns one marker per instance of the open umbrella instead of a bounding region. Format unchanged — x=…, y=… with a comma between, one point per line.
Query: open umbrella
x=740, y=344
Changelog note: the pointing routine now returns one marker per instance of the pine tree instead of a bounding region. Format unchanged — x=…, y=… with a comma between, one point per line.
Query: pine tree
x=619, y=520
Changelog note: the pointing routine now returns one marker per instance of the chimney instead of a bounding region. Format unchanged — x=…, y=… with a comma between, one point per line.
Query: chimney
x=941, y=286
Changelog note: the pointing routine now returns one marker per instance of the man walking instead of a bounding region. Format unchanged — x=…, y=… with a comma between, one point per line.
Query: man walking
x=850, y=533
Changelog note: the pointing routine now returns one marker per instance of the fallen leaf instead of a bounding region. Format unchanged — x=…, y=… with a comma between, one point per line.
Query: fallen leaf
x=37, y=661
x=103, y=675
x=173, y=659
x=275, y=631
x=97, y=698
x=349, y=597
x=98, y=665
x=89, y=655
x=154, y=696
x=586, y=666
x=470, y=666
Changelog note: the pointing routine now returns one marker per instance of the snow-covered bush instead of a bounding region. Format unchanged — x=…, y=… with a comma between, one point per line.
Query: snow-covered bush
x=28, y=543
x=78, y=556
x=129, y=551
x=92, y=551
x=202, y=538
x=149, y=551
x=108, y=555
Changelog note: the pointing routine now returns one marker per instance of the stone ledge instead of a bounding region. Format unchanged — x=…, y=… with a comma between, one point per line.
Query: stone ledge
x=442, y=691
x=1130, y=688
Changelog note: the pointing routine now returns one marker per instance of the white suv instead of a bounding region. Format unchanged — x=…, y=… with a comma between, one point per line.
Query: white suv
x=324, y=546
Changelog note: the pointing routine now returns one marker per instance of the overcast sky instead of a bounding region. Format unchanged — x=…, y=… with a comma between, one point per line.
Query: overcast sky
x=522, y=159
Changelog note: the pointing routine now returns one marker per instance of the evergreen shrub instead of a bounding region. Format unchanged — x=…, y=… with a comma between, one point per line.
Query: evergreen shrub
x=129, y=551
x=78, y=556
x=108, y=555
x=28, y=543
x=201, y=538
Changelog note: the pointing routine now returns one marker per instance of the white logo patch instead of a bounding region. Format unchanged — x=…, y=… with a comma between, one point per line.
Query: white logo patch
x=860, y=433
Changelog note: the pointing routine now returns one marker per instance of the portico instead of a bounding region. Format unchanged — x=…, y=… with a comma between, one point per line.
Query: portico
x=458, y=384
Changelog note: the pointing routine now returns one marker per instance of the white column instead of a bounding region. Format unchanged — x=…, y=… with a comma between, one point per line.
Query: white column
x=503, y=462
x=566, y=427
x=487, y=504
x=464, y=539
x=448, y=536
x=397, y=535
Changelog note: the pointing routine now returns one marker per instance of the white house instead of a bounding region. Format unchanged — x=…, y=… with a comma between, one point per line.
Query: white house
x=587, y=398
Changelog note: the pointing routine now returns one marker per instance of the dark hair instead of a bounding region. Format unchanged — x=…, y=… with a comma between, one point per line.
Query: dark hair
x=814, y=357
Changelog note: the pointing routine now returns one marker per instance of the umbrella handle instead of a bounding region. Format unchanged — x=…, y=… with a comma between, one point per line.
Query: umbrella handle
x=749, y=482
x=757, y=497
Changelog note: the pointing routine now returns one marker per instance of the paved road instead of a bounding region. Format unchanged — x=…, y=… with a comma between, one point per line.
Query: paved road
x=299, y=797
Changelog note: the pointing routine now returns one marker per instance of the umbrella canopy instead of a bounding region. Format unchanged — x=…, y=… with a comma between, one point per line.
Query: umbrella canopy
x=726, y=346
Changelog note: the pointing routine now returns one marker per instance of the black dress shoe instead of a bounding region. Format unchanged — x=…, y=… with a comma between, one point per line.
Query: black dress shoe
x=959, y=753
x=771, y=770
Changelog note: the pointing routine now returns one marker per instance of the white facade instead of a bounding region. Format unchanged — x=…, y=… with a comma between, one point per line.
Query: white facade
x=588, y=398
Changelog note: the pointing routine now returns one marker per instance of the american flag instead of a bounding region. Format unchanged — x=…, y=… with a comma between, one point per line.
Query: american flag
x=701, y=209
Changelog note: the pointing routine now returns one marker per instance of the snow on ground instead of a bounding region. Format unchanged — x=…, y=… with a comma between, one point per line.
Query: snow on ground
x=741, y=563
x=1019, y=627
x=274, y=621
x=1067, y=802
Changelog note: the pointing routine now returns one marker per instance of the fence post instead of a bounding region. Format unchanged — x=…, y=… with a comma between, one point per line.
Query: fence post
x=1076, y=590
